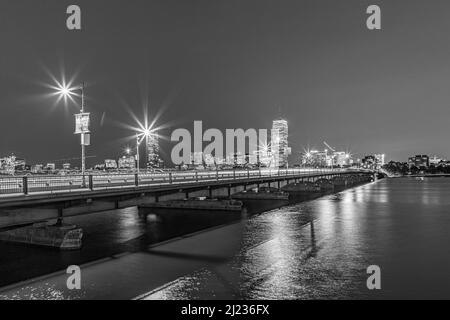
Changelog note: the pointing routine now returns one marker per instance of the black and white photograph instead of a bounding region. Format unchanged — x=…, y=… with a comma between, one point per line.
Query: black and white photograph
x=226, y=155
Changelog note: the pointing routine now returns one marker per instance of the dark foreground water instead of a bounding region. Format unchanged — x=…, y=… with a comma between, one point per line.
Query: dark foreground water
x=314, y=249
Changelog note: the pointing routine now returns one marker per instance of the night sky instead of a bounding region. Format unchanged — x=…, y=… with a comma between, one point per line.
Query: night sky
x=232, y=64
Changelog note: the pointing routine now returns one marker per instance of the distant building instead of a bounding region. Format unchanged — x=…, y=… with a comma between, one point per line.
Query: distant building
x=127, y=162
x=240, y=159
x=100, y=166
x=263, y=157
x=315, y=159
x=341, y=159
x=37, y=168
x=436, y=161
x=279, y=143
x=8, y=164
x=110, y=164
x=197, y=159
x=20, y=164
x=153, y=157
x=380, y=158
x=230, y=159
x=11, y=164
x=50, y=167
x=374, y=162
x=419, y=161
x=322, y=159
x=210, y=161
x=66, y=166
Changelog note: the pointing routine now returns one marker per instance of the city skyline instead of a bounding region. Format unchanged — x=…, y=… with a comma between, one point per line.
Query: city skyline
x=310, y=156
x=340, y=84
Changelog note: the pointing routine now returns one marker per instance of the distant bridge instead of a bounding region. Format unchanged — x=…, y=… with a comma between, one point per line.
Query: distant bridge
x=36, y=198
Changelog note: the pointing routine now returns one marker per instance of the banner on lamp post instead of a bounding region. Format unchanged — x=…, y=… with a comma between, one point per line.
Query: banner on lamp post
x=82, y=122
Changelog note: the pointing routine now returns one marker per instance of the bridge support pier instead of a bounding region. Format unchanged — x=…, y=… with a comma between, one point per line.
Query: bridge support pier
x=59, y=220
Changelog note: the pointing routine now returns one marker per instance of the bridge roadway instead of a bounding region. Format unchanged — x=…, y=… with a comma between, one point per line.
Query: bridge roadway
x=37, y=198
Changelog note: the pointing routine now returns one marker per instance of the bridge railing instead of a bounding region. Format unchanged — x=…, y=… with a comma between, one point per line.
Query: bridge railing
x=12, y=185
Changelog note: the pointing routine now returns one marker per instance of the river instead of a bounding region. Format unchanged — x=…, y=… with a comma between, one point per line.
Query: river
x=314, y=249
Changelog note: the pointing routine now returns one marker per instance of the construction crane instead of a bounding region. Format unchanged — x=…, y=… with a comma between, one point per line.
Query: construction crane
x=329, y=147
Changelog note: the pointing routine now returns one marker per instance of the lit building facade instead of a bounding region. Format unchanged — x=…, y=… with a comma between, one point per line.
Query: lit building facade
x=50, y=167
x=197, y=159
x=341, y=159
x=8, y=165
x=315, y=159
x=153, y=156
x=263, y=157
x=436, y=161
x=37, y=168
x=279, y=145
x=127, y=162
x=110, y=164
x=419, y=161
x=380, y=158
x=322, y=159
x=374, y=161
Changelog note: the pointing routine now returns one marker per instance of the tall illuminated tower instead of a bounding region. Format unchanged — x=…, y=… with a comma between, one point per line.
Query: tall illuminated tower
x=279, y=143
x=153, y=158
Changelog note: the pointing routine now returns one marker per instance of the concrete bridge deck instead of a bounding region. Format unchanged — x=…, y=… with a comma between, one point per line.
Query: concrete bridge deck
x=107, y=192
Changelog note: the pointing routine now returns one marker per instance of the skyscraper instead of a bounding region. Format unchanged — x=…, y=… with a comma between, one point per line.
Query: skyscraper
x=153, y=158
x=279, y=143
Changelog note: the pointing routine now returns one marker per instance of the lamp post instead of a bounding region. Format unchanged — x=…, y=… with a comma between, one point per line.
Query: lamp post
x=83, y=142
x=140, y=136
x=81, y=123
x=137, y=152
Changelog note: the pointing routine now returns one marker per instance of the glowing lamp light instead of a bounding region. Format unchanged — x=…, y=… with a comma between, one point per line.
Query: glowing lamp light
x=65, y=91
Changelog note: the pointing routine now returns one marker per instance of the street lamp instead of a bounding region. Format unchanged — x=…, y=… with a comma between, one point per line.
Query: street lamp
x=81, y=124
x=143, y=133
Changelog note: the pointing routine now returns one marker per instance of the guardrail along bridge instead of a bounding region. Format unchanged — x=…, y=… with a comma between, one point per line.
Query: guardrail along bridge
x=31, y=199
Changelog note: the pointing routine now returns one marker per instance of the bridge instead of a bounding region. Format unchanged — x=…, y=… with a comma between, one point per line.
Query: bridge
x=30, y=199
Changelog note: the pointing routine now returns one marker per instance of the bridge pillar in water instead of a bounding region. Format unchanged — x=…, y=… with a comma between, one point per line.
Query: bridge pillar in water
x=172, y=196
x=221, y=192
x=59, y=220
x=198, y=193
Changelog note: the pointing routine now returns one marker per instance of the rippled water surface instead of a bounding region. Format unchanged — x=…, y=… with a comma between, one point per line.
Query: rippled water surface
x=322, y=248
x=315, y=249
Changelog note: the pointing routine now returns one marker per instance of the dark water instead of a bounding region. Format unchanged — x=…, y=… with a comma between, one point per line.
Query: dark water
x=104, y=234
x=315, y=249
x=322, y=248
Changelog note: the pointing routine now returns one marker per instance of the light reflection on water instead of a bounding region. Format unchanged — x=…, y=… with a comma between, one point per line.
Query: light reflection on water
x=48, y=291
x=321, y=249
x=313, y=250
